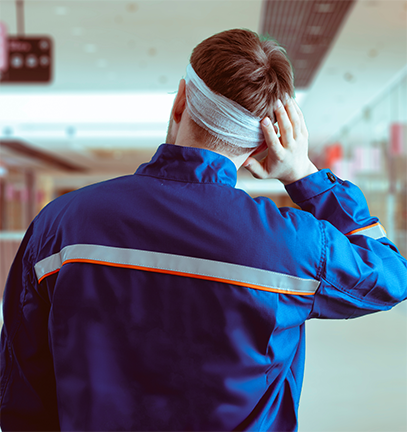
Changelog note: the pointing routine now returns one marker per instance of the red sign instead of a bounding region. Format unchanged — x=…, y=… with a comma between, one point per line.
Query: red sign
x=3, y=48
x=29, y=60
x=397, y=138
x=333, y=153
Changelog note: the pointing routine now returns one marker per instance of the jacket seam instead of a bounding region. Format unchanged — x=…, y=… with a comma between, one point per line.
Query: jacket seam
x=322, y=260
x=187, y=181
x=350, y=294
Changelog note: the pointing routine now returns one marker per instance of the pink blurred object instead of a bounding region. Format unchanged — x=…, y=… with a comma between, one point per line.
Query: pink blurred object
x=3, y=48
x=367, y=159
x=397, y=137
x=344, y=169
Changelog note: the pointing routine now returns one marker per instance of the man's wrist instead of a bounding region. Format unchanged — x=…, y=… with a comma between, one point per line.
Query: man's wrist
x=310, y=169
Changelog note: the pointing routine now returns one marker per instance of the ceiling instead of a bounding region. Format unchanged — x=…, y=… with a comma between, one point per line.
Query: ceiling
x=306, y=29
x=121, y=51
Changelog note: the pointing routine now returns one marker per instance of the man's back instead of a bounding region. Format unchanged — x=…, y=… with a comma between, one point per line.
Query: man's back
x=144, y=340
x=159, y=314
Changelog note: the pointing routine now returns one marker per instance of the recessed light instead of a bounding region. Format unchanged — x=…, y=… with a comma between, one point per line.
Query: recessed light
x=132, y=7
x=60, y=10
x=349, y=77
x=152, y=52
x=324, y=7
x=77, y=31
x=307, y=49
x=102, y=63
x=301, y=64
x=7, y=131
x=90, y=48
x=372, y=53
x=315, y=30
x=70, y=131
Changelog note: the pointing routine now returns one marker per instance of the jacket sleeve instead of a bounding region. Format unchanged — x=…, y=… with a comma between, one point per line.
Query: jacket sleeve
x=27, y=386
x=362, y=270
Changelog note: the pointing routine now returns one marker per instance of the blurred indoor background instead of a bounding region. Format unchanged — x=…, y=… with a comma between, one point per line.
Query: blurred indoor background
x=86, y=88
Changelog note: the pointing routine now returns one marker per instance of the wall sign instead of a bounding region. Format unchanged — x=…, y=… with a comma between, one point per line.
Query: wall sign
x=29, y=60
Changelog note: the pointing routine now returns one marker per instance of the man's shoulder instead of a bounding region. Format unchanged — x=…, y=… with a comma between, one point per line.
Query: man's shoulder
x=88, y=195
x=78, y=206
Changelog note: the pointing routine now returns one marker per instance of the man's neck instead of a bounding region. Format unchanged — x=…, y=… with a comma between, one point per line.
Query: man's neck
x=184, y=138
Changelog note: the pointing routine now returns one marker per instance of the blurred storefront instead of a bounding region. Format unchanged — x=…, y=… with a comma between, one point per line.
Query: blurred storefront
x=371, y=151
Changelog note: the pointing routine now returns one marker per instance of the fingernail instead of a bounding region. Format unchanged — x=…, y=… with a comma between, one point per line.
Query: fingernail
x=277, y=104
x=266, y=121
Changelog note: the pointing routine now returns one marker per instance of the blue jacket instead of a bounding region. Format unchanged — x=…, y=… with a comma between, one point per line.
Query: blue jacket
x=170, y=300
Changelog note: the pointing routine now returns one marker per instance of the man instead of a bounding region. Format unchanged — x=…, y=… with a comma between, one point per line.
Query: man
x=169, y=299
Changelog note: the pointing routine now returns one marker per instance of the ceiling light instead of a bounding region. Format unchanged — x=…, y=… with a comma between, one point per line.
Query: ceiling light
x=90, y=48
x=372, y=53
x=324, y=7
x=315, y=30
x=307, y=49
x=152, y=52
x=349, y=77
x=301, y=64
x=77, y=31
x=102, y=63
x=60, y=10
x=77, y=108
x=131, y=7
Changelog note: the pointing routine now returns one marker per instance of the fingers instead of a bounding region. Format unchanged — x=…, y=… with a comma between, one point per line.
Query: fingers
x=284, y=122
x=288, y=120
x=255, y=167
x=304, y=129
x=275, y=152
x=273, y=143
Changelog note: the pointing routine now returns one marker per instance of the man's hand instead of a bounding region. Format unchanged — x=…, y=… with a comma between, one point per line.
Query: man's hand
x=287, y=159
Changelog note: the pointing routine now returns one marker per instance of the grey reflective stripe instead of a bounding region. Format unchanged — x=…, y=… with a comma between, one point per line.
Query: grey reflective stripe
x=375, y=232
x=179, y=265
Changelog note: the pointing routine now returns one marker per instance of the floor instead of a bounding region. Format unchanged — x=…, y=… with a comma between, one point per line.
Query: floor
x=356, y=374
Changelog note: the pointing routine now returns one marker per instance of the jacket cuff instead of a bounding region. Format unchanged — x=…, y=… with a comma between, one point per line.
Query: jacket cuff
x=312, y=185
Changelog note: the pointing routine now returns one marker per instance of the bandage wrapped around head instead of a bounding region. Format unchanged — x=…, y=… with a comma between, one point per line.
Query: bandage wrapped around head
x=221, y=117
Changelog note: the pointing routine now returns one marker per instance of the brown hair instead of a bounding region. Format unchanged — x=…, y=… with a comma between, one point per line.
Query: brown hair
x=250, y=71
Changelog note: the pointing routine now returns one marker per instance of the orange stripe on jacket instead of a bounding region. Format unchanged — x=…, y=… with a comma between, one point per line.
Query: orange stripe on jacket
x=176, y=273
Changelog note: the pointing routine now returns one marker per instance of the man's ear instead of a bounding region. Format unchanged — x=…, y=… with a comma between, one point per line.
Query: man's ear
x=180, y=102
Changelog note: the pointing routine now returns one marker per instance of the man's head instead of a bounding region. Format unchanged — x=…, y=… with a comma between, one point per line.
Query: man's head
x=250, y=71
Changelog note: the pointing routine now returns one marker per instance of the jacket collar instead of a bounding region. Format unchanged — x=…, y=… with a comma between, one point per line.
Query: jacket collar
x=190, y=164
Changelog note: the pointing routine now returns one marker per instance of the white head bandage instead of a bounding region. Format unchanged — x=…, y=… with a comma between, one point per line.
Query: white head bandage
x=220, y=116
